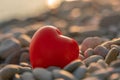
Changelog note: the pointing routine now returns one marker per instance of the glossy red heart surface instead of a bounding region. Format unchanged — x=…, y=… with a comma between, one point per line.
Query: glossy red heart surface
x=49, y=47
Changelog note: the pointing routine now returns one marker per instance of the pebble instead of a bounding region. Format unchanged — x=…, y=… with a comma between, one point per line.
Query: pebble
x=63, y=74
x=59, y=79
x=42, y=74
x=24, y=64
x=112, y=55
x=101, y=50
x=115, y=76
x=27, y=76
x=107, y=44
x=102, y=74
x=17, y=77
x=92, y=78
x=51, y=68
x=115, y=64
x=15, y=58
x=24, y=40
x=116, y=41
x=88, y=52
x=102, y=63
x=24, y=57
x=9, y=46
x=93, y=58
x=90, y=42
x=9, y=71
x=73, y=65
x=94, y=67
x=80, y=72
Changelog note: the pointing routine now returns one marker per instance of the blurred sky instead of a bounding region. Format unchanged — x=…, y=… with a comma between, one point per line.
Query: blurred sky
x=22, y=9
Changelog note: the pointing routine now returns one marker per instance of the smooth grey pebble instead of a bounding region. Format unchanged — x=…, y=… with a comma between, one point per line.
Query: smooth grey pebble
x=42, y=74
x=51, y=68
x=73, y=65
x=80, y=72
x=93, y=67
x=9, y=46
x=91, y=59
x=115, y=64
x=27, y=76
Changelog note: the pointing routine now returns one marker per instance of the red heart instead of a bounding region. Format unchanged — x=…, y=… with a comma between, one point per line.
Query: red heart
x=50, y=48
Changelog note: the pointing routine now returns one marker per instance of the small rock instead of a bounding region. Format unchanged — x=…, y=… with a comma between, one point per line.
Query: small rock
x=17, y=77
x=15, y=58
x=24, y=57
x=51, y=68
x=24, y=64
x=88, y=52
x=90, y=42
x=80, y=72
x=91, y=78
x=94, y=67
x=27, y=76
x=102, y=74
x=24, y=39
x=115, y=64
x=73, y=65
x=42, y=74
x=91, y=59
x=116, y=41
x=9, y=46
x=102, y=63
x=115, y=76
x=63, y=74
x=9, y=71
x=101, y=50
x=112, y=55
x=107, y=44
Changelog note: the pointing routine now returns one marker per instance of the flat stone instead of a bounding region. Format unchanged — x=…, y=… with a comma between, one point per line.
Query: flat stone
x=80, y=72
x=63, y=74
x=24, y=40
x=27, y=76
x=42, y=74
x=101, y=50
x=17, y=77
x=112, y=55
x=115, y=64
x=73, y=65
x=9, y=46
x=24, y=57
x=91, y=59
x=88, y=52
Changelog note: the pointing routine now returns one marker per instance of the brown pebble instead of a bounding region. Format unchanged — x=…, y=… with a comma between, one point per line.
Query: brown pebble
x=107, y=44
x=9, y=71
x=112, y=55
x=116, y=41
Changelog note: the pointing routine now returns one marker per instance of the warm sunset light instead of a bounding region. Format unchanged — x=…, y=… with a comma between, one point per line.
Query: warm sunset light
x=52, y=4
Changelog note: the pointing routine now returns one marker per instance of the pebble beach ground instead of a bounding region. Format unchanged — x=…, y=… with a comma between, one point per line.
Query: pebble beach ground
x=94, y=25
